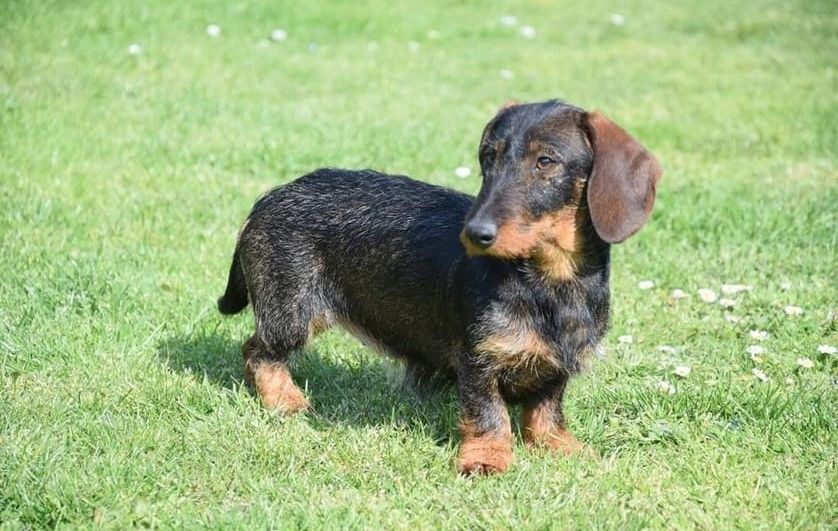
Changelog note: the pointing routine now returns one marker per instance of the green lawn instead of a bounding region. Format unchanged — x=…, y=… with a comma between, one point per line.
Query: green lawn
x=124, y=178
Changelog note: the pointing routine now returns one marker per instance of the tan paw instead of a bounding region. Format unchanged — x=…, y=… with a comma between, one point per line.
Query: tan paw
x=484, y=455
x=558, y=440
x=274, y=386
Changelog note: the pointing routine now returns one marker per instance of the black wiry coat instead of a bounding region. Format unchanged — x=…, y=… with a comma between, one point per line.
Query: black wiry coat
x=507, y=292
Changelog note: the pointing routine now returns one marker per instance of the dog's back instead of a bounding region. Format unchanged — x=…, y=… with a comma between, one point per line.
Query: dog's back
x=370, y=251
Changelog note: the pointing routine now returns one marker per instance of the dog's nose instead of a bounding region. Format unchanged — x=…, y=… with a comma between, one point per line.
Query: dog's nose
x=481, y=233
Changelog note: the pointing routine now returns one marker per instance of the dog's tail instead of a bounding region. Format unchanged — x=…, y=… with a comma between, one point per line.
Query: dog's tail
x=235, y=297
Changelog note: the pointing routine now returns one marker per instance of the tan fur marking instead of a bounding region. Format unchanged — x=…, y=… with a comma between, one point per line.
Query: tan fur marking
x=540, y=430
x=486, y=453
x=516, y=238
x=272, y=381
x=560, y=256
x=518, y=349
x=276, y=388
x=554, y=241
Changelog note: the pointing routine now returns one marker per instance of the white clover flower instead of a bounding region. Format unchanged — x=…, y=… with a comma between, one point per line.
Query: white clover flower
x=827, y=349
x=506, y=74
x=682, y=370
x=760, y=375
x=279, y=35
x=646, y=284
x=135, y=49
x=707, y=295
x=626, y=340
x=785, y=286
x=805, y=362
x=759, y=335
x=678, y=294
x=732, y=318
x=666, y=349
x=666, y=387
x=462, y=172
x=727, y=303
x=618, y=19
x=509, y=20
x=755, y=350
x=214, y=31
x=733, y=289
x=528, y=32
x=793, y=310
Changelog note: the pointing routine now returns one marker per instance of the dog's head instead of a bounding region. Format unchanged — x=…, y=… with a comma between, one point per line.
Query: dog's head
x=547, y=169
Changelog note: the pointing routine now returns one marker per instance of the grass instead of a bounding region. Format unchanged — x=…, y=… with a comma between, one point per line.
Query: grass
x=123, y=180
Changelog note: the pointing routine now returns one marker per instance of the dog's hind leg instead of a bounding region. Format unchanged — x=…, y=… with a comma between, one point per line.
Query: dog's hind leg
x=269, y=375
x=288, y=298
x=285, y=321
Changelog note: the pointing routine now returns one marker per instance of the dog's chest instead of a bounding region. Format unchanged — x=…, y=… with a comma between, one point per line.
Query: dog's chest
x=514, y=346
x=528, y=345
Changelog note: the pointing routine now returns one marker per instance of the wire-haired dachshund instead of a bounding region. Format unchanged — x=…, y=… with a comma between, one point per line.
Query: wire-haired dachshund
x=507, y=292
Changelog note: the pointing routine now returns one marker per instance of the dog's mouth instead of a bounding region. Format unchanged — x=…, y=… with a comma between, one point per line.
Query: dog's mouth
x=508, y=240
x=471, y=248
x=514, y=238
x=479, y=235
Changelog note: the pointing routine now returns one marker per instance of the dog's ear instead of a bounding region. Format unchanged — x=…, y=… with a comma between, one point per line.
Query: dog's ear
x=621, y=190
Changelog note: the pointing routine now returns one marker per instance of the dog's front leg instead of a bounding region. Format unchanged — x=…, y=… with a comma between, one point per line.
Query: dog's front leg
x=543, y=424
x=486, y=446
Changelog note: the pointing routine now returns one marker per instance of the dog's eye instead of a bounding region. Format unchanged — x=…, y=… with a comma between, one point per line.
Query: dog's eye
x=544, y=162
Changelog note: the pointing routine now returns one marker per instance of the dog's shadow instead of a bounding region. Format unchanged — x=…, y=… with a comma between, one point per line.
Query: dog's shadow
x=353, y=387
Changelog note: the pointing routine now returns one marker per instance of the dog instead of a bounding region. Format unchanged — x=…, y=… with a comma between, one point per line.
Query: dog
x=506, y=293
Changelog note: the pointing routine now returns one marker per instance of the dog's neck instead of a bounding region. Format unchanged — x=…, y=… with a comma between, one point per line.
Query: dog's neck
x=574, y=251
